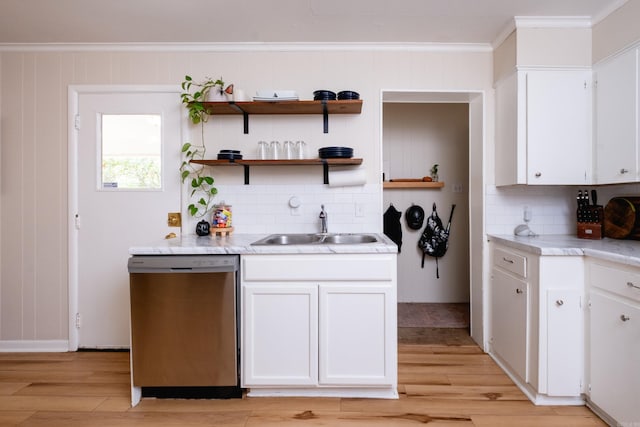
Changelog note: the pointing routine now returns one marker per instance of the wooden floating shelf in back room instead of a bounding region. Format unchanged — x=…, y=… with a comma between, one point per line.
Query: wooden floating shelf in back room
x=350, y=106
x=400, y=184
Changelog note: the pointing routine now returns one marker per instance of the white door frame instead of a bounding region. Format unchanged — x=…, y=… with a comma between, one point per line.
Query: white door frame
x=73, y=93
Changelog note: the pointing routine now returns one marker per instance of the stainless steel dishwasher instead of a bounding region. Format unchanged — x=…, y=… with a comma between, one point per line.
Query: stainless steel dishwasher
x=184, y=325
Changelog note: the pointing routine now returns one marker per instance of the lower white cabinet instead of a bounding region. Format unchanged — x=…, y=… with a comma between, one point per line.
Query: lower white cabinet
x=319, y=325
x=537, y=323
x=614, y=342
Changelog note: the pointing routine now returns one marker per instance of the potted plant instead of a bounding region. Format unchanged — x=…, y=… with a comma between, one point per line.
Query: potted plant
x=202, y=190
x=206, y=90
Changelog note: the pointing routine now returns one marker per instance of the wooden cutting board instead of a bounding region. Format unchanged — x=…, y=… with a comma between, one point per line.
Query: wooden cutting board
x=620, y=218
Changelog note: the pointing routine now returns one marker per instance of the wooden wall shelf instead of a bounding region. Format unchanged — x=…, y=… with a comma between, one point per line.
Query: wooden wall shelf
x=284, y=107
x=400, y=184
x=325, y=163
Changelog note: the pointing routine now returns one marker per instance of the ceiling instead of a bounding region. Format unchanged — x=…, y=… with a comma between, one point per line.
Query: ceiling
x=277, y=21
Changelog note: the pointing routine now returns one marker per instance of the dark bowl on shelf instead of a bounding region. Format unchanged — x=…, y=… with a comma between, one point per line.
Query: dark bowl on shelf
x=229, y=156
x=324, y=95
x=335, y=153
x=348, y=94
x=230, y=151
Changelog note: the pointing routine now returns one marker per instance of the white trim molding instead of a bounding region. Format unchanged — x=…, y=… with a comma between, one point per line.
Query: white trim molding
x=33, y=346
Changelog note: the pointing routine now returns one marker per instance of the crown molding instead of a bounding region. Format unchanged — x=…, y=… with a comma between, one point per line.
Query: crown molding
x=244, y=47
x=552, y=21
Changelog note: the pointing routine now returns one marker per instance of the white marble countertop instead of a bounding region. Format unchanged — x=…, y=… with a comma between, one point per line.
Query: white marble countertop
x=240, y=244
x=622, y=251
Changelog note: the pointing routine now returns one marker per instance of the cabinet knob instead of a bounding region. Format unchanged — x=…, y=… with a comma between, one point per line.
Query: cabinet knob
x=624, y=318
x=631, y=285
x=518, y=291
x=559, y=302
x=623, y=170
x=538, y=174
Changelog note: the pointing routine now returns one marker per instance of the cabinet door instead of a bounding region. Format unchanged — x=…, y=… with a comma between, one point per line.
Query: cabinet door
x=509, y=302
x=558, y=127
x=564, y=343
x=357, y=334
x=616, y=117
x=615, y=354
x=280, y=342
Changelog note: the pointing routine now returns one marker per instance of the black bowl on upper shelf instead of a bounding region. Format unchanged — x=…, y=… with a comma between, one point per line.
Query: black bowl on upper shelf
x=335, y=153
x=324, y=95
x=348, y=94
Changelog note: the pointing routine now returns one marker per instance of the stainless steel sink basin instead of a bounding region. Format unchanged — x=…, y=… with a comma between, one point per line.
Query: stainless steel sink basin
x=317, y=239
x=349, y=239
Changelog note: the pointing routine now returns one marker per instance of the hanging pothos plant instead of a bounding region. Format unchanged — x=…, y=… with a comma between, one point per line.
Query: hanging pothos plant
x=202, y=190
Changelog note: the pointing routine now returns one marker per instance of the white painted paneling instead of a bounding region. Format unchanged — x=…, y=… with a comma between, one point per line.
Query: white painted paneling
x=33, y=258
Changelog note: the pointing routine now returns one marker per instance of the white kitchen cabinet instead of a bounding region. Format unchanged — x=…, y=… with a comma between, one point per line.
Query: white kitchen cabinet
x=543, y=128
x=616, y=117
x=281, y=323
x=614, y=342
x=319, y=324
x=353, y=342
x=509, y=320
x=536, y=329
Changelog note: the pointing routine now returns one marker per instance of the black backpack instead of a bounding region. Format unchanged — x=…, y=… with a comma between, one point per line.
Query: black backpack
x=435, y=238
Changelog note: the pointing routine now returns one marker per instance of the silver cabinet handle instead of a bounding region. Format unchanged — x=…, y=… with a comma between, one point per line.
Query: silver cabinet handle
x=510, y=261
x=631, y=285
x=623, y=170
x=518, y=291
x=624, y=318
x=538, y=174
x=559, y=302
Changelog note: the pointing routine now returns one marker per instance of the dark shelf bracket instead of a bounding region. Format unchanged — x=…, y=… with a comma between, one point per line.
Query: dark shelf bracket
x=325, y=117
x=246, y=174
x=245, y=116
x=325, y=172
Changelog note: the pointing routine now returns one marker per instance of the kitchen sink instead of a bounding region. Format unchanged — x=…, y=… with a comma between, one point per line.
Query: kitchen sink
x=317, y=239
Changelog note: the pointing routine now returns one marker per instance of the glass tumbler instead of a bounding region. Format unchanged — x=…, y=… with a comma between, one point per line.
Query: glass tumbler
x=274, y=150
x=289, y=149
x=301, y=149
x=263, y=150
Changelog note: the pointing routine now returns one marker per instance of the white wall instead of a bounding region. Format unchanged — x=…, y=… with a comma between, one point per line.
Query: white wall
x=415, y=136
x=33, y=139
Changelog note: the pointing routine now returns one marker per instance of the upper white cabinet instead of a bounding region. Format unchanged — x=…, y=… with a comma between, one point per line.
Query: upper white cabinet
x=616, y=116
x=543, y=128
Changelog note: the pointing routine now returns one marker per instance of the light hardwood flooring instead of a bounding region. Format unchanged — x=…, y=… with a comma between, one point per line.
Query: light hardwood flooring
x=440, y=385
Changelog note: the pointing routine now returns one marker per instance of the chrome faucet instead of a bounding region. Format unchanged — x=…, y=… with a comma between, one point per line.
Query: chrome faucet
x=323, y=220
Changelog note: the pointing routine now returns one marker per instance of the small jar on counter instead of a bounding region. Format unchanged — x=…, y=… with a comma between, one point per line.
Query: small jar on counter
x=221, y=216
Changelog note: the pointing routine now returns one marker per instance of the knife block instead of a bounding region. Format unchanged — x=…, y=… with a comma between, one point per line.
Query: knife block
x=591, y=222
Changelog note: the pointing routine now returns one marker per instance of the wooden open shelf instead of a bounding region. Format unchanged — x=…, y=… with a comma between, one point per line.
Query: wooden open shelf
x=347, y=106
x=325, y=163
x=400, y=184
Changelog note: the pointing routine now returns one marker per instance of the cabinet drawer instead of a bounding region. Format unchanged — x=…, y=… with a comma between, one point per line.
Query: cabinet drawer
x=510, y=261
x=349, y=267
x=619, y=280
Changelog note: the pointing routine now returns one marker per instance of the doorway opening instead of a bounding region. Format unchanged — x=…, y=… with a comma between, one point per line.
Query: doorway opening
x=421, y=130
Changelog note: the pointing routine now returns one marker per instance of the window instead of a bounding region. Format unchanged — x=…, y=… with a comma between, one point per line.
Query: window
x=131, y=151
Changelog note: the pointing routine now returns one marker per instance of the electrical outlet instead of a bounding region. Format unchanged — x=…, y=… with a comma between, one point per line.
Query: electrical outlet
x=174, y=219
x=457, y=188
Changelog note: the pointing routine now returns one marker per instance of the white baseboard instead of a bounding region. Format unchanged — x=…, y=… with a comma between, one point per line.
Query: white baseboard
x=33, y=346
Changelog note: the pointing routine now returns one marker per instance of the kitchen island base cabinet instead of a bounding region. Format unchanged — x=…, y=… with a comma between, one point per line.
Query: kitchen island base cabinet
x=319, y=325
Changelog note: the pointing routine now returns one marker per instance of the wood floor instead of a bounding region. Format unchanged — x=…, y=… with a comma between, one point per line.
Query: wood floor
x=446, y=385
